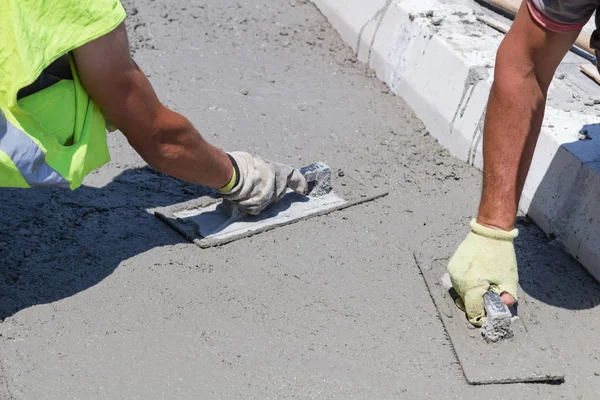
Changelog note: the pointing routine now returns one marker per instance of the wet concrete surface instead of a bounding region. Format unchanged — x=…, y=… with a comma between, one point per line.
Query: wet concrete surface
x=101, y=300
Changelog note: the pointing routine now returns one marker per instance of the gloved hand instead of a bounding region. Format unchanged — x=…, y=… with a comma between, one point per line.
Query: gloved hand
x=485, y=260
x=261, y=183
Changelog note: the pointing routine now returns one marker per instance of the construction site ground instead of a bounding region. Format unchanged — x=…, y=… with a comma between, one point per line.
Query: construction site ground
x=102, y=300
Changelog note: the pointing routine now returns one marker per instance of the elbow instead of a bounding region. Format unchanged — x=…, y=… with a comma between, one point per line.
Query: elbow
x=159, y=153
x=167, y=144
x=164, y=153
x=516, y=73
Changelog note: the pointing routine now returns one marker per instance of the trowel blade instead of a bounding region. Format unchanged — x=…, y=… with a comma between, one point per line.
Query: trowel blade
x=210, y=224
x=527, y=357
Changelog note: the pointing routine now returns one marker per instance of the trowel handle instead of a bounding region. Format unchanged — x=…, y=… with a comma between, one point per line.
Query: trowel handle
x=494, y=306
x=318, y=176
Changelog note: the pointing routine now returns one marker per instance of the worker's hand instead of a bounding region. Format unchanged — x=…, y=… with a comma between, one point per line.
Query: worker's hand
x=262, y=183
x=484, y=261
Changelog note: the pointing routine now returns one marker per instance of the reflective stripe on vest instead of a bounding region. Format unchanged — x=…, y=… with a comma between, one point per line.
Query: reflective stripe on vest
x=27, y=156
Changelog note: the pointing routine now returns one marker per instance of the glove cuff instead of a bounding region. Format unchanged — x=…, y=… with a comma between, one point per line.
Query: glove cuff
x=492, y=233
x=235, y=178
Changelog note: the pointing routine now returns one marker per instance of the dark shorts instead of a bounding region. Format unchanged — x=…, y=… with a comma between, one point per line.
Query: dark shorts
x=566, y=16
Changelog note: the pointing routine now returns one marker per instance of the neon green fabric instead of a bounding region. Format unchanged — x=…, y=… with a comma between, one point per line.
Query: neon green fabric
x=62, y=120
x=45, y=105
x=9, y=173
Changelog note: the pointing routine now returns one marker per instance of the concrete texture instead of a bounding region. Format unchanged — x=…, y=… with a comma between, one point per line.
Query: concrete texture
x=438, y=57
x=526, y=357
x=101, y=300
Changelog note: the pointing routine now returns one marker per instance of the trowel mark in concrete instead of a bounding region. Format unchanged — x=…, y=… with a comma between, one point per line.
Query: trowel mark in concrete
x=476, y=73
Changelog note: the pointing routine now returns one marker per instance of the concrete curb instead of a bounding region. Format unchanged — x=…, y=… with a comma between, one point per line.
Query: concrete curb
x=439, y=58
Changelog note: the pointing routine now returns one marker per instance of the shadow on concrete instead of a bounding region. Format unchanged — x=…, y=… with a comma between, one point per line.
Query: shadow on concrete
x=546, y=271
x=56, y=243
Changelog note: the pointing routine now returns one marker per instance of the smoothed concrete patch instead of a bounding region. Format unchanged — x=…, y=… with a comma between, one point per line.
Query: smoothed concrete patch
x=526, y=356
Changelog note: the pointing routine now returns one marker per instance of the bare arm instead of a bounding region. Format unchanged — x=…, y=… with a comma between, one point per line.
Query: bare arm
x=525, y=65
x=165, y=140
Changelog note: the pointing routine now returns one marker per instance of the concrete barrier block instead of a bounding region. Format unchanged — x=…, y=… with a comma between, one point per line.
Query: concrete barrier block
x=354, y=20
x=408, y=56
x=551, y=183
x=578, y=224
x=553, y=189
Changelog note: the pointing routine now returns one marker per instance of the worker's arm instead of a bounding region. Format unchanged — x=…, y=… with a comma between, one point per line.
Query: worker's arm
x=165, y=139
x=525, y=65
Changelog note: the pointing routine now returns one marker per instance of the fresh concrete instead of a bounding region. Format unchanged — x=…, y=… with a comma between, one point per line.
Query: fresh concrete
x=101, y=300
x=527, y=357
x=439, y=58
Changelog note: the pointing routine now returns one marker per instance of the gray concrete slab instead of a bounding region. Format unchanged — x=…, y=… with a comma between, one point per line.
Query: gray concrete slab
x=101, y=300
x=526, y=357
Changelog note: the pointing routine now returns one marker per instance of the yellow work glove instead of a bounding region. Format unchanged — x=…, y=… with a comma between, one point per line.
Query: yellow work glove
x=485, y=260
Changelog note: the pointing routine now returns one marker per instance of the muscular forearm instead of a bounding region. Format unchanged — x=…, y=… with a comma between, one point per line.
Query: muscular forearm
x=165, y=139
x=512, y=125
x=525, y=64
x=176, y=148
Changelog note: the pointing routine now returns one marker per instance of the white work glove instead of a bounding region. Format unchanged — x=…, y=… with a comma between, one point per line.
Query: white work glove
x=262, y=183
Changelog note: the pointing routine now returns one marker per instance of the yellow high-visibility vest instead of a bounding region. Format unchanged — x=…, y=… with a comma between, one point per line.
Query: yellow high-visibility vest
x=55, y=136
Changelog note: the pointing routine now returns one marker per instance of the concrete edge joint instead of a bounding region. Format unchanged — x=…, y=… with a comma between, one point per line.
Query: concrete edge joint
x=423, y=51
